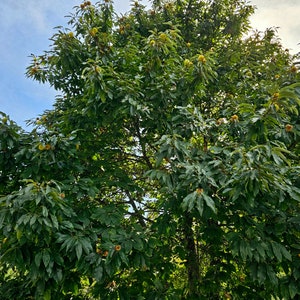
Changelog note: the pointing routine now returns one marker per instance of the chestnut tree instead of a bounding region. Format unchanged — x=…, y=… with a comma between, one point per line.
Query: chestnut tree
x=168, y=167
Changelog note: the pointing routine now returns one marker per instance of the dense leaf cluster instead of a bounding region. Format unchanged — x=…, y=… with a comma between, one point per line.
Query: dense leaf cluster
x=168, y=167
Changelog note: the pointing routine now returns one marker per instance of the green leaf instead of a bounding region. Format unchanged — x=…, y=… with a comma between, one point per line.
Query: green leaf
x=188, y=202
x=78, y=249
x=58, y=276
x=124, y=257
x=46, y=258
x=159, y=159
x=277, y=251
x=285, y=253
x=25, y=219
x=54, y=221
x=209, y=202
x=59, y=259
x=200, y=205
x=294, y=194
x=38, y=258
x=152, y=242
x=47, y=222
x=38, y=199
x=68, y=243
x=244, y=249
x=285, y=293
x=293, y=289
x=261, y=273
x=272, y=276
x=32, y=220
x=44, y=211
x=109, y=267
x=138, y=244
x=261, y=251
x=86, y=245
x=137, y=260
x=127, y=246
x=47, y=295
x=98, y=273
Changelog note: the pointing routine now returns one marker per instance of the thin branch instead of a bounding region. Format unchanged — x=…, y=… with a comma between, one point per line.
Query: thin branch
x=136, y=210
x=144, y=152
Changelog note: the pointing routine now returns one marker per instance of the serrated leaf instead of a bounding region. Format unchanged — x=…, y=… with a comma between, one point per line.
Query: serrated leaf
x=189, y=201
x=59, y=259
x=46, y=258
x=38, y=199
x=38, y=259
x=277, y=159
x=272, y=276
x=285, y=253
x=86, y=245
x=32, y=220
x=243, y=250
x=68, y=243
x=68, y=225
x=295, y=195
x=200, y=206
x=26, y=219
x=253, y=270
x=124, y=258
x=54, y=221
x=261, y=273
x=78, y=250
x=276, y=251
x=44, y=211
x=47, y=222
x=261, y=251
x=209, y=202
x=159, y=158
x=60, y=237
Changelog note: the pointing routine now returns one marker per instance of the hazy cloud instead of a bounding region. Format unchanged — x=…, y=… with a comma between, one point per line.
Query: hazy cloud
x=282, y=14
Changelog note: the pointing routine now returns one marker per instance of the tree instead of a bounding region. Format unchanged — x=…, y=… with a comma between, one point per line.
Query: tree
x=168, y=166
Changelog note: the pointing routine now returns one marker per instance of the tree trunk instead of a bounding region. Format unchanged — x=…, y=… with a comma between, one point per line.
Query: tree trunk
x=192, y=260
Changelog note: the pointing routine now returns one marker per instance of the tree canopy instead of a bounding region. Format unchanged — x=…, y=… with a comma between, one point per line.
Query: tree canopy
x=168, y=167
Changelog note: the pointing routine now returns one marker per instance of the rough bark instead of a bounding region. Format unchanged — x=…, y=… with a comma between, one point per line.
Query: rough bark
x=192, y=260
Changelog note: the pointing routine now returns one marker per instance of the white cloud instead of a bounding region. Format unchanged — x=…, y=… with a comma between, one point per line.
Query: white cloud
x=282, y=14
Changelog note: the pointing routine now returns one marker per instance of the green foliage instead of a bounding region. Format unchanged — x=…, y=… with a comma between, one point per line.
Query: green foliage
x=168, y=167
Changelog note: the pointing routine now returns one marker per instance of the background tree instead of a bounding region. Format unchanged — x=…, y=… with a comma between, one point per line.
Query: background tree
x=168, y=166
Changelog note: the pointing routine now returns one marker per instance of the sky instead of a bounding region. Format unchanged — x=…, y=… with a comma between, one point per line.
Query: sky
x=27, y=25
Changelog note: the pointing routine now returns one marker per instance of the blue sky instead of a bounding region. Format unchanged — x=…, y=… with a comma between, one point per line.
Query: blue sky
x=27, y=25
